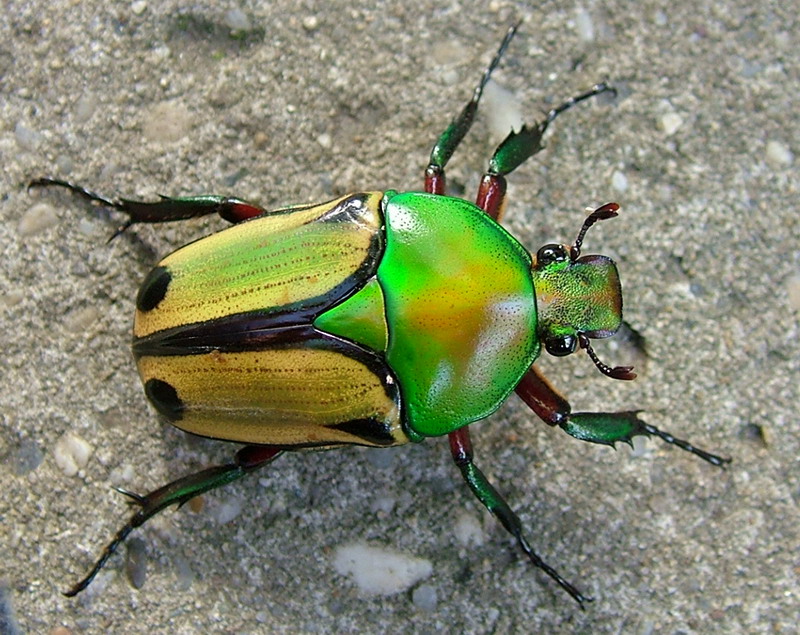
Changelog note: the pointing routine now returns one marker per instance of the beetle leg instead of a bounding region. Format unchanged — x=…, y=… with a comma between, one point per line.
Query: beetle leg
x=179, y=492
x=449, y=140
x=518, y=147
x=166, y=210
x=461, y=448
x=606, y=428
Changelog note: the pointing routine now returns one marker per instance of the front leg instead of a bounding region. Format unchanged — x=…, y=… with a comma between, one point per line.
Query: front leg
x=606, y=428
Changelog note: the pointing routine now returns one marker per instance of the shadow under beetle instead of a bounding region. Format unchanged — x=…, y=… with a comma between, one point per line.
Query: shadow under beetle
x=375, y=319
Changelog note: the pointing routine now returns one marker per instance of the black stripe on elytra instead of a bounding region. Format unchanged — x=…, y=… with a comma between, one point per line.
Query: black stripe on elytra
x=249, y=335
x=370, y=430
x=235, y=333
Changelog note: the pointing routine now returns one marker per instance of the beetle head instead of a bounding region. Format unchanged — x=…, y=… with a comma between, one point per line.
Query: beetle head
x=577, y=297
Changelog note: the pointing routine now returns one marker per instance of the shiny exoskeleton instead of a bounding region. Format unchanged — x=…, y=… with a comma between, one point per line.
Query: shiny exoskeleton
x=374, y=319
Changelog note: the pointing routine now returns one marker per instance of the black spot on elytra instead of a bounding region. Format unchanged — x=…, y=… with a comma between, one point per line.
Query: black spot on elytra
x=153, y=289
x=165, y=399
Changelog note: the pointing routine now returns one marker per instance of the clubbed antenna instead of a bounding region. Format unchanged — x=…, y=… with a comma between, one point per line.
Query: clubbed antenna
x=618, y=372
x=609, y=210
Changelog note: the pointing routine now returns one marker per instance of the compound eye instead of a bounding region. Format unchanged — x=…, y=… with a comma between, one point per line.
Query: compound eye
x=561, y=346
x=551, y=253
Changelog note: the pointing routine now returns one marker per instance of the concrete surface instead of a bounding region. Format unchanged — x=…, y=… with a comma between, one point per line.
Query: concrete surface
x=145, y=98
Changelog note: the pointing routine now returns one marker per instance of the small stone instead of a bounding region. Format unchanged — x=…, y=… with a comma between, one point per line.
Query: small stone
x=71, y=453
x=619, y=181
x=379, y=571
x=229, y=509
x=778, y=154
x=85, y=107
x=136, y=562
x=166, y=122
x=424, y=597
x=503, y=110
x=793, y=291
x=324, y=140
x=27, y=138
x=583, y=21
x=670, y=122
x=237, y=21
x=39, y=217
x=81, y=320
x=467, y=530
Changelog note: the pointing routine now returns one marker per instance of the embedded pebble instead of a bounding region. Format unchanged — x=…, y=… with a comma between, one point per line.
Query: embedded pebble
x=71, y=453
x=448, y=51
x=424, y=597
x=670, y=122
x=138, y=7
x=310, y=22
x=467, y=529
x=86, y=226
x=379, y=571
x=39, y=217
x=81, y=320
x=382, y=459
x=583, y=21
x=325, y=140
x=27, y=457
x=383, y=505
x=236, y=20
x=27, y=138
x=793, y=291
x=619, y=181
x=778, y=154
x=503, y=110
x=11, y=298
x=183, y=572
x=229, y=509
x=167, y=121
x=64, y=164
x=85, y=107
x=120, y=476
x=639, y=446
x=136, y=562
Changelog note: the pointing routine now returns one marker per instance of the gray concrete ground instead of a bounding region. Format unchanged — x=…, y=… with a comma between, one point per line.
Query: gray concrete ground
x=143, y=98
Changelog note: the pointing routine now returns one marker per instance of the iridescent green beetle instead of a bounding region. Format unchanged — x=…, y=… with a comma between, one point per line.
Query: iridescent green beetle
x=375, y=319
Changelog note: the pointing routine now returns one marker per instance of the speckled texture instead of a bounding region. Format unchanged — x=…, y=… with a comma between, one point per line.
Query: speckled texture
x=139, y=99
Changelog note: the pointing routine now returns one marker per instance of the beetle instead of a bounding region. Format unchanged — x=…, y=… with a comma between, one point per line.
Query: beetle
x=375, y=319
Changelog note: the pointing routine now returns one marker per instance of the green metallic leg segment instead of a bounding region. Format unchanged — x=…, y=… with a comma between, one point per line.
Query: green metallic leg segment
x=609, y=427
x=518, y=147
x=521, y=145
x=450, y=139
x=179, y=492
x=461, y=449
x=606, y=428
x=167, y=209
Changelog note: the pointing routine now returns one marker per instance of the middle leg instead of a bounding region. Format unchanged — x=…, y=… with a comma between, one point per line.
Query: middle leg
x=461, y=449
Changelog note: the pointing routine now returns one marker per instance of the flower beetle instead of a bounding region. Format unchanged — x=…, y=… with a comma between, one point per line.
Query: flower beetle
x=375, y=319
